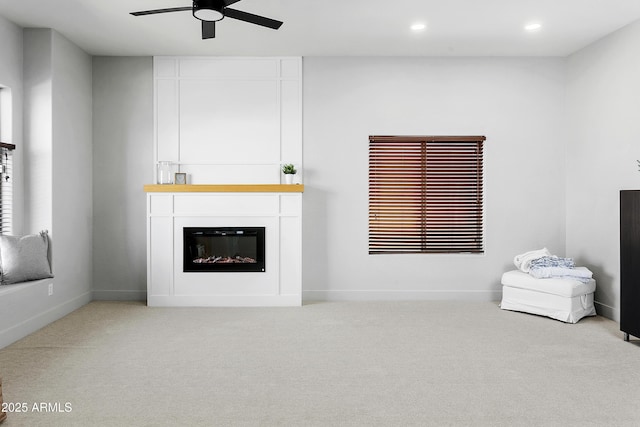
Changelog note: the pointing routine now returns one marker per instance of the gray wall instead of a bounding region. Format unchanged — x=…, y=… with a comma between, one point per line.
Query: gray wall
x=518, y=104
x=38, y=130
x=57, y=191
x=603, y=109
x=123, y=163
x=537, y=190
x=13, y=305
x=11, y=39
x=72, y=171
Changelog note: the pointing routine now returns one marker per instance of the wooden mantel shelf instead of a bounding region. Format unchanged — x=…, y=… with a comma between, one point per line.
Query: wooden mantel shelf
x=224, y=188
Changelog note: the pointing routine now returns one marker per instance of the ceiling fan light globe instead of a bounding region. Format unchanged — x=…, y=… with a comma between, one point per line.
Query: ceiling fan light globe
x=205, y=14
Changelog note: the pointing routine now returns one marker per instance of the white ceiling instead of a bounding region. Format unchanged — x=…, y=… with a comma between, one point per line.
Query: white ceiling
x=333, y=27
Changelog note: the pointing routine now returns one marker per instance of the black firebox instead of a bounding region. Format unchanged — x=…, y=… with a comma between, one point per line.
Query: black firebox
x=223, y=249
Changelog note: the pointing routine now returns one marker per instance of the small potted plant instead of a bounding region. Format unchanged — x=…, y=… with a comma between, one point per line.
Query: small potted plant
x=289, y=170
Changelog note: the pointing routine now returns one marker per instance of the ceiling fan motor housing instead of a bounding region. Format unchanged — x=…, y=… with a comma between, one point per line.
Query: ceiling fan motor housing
x=211, y=11
x=208, y=10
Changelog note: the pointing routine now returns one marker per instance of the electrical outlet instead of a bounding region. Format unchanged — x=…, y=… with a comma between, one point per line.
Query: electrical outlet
x=50, y=289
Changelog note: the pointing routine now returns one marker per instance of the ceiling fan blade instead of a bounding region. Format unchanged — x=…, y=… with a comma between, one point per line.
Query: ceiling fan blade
x=230, y=2
x=208, y=30
x=151, y=12
x=251, y=18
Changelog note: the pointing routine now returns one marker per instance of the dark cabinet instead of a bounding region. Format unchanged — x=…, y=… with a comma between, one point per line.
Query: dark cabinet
x=630, y=263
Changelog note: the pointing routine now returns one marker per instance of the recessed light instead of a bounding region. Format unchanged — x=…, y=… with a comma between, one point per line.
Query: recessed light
x=418, y=27
x=534, y=26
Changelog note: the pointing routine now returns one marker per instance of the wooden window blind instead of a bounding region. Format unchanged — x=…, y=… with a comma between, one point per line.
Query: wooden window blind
x=6, y=188
x=426, y=194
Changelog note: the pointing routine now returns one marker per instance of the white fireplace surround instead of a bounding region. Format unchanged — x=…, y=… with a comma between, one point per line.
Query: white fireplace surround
x=228, y=120
x=279, y=285
x=229, y=124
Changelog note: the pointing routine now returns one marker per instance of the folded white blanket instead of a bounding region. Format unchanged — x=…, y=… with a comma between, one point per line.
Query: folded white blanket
x=583, y=274
x=523, y=261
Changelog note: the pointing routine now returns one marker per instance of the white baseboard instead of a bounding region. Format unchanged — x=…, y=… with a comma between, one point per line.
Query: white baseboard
x=119, y=295
x=40, y=320
x=607, y=311
x=224, y=301
x=394, y=295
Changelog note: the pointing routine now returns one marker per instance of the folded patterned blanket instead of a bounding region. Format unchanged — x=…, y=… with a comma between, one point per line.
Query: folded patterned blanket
x=582, y=274
x=552, y=261
x=542, y=265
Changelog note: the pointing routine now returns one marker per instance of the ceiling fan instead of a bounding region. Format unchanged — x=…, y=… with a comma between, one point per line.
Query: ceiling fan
x=212, y=11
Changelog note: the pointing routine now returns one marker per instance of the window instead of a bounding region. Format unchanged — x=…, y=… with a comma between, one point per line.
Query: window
x=6, y=163
x=6, y=187
x=426, y=194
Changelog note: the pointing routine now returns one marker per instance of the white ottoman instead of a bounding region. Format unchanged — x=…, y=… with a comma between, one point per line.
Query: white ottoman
x=567, y=300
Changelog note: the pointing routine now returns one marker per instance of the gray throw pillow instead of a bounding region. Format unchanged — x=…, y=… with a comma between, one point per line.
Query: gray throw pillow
x=24, y=258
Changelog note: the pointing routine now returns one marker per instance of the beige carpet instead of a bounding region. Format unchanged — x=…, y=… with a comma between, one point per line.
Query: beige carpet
x=324, y=364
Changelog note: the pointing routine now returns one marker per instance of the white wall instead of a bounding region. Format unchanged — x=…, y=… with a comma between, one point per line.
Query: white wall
x=603, y=107
x=518, y=104
x=122, y=153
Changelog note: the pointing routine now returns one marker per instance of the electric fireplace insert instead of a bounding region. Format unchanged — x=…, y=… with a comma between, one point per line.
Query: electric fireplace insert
x=223, y=249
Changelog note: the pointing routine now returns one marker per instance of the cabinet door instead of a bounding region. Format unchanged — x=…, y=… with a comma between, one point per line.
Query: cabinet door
x=630, y=262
